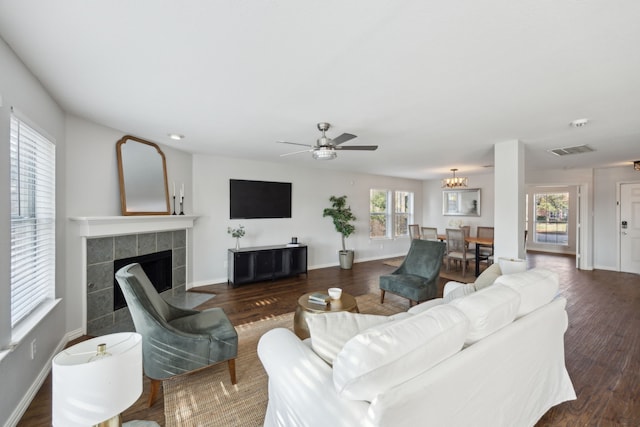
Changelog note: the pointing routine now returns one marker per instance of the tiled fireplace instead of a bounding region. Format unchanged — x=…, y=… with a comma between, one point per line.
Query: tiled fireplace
x=102, y=241
x=101, y=254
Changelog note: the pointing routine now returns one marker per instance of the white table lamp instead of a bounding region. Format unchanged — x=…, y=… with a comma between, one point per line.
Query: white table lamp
x=89, y=390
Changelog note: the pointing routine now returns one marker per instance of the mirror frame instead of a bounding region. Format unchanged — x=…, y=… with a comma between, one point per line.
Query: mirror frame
x=457, y=210
x=121, y=175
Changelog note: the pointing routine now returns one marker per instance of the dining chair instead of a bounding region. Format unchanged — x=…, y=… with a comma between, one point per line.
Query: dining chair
x=457, y=249
x=429, y=233
x=485, y=233
x=467, y=233
x=414, y=231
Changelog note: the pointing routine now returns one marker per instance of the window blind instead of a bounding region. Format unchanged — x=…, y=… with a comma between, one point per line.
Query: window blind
x=32, y=219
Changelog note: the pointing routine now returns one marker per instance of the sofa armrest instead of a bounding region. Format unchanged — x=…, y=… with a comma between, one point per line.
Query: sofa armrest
x=450, y=286
x=301, y=390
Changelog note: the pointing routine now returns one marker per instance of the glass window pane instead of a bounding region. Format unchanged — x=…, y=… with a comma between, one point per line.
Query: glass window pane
x=552, y=213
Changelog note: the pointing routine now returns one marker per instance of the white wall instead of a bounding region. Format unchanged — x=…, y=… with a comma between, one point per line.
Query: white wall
x=311, y=189
x=432, y=209
x=93, y=190
x=20, y=376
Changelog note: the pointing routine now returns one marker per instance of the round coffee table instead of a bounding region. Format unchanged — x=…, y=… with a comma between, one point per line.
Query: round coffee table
x=305, y=308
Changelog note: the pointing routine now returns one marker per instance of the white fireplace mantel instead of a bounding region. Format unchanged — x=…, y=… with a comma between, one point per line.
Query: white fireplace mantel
x=100, y=226
x=88, y=227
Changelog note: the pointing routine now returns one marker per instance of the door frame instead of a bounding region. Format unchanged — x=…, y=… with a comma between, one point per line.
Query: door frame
x=619, y=185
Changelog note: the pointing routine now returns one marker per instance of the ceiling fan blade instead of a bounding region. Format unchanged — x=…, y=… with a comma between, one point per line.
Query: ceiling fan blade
x=358, y=147
x=343, y=138
x=295, y=143
x=296, y=152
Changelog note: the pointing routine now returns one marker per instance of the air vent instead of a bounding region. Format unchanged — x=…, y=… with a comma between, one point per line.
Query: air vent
x=579, y=149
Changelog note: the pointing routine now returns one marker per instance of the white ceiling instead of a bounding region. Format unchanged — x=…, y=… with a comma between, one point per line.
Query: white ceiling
x=434, y=83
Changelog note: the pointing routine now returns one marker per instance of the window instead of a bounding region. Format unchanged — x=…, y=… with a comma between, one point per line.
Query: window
x=379, y=213
x=382, y=205
x=551, y=213
x=403, y=208
x=32, y=220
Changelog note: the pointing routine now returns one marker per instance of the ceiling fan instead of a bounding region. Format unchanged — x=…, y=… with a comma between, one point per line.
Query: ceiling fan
x=325, y=147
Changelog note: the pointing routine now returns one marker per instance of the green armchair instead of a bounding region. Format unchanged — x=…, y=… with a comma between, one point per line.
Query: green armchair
x=417, y=276
x=175, y=340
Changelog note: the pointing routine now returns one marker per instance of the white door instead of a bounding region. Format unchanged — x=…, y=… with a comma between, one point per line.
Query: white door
x=630, y=228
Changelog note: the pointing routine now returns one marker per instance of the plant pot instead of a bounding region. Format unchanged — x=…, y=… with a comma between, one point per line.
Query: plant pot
x=346, y=259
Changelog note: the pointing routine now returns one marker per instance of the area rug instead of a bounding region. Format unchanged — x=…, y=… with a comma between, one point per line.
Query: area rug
x=207, y=398
x=455, y=275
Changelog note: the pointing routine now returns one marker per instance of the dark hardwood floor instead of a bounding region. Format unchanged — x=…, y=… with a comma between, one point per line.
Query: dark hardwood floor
x=602, y=343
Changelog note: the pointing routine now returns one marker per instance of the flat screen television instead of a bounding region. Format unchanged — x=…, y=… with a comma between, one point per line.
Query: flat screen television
x=259, y=199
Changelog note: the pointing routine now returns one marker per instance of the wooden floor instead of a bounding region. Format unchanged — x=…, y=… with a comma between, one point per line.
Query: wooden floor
x=602, y=348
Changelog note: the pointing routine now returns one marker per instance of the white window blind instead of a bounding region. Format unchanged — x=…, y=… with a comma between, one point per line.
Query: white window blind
x=32, y=219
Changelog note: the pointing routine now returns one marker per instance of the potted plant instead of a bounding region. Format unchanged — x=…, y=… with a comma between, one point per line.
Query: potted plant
x=342, y=217
x=237, y=233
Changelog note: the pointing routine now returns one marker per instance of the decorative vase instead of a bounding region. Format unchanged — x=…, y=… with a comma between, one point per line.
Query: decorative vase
x=237, y=243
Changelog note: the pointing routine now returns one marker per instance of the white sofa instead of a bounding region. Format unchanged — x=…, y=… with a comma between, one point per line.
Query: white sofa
x=494, y=357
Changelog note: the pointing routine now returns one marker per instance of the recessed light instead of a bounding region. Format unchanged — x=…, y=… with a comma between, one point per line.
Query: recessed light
x=176, y=136
x=579, y=123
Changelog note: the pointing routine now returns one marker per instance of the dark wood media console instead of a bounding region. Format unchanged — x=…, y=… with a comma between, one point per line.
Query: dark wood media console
x=247, y=265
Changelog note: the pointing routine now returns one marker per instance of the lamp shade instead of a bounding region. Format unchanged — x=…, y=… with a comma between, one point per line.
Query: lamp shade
x=88, y=391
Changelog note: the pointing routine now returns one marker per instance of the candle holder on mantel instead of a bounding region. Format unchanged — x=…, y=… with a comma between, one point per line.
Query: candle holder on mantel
x=174, y=205
x=181, y=205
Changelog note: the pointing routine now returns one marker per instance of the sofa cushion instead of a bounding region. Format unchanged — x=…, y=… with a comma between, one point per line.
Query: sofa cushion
x=488, y=276
x=329, y=332
x=386, y=355
x=536, y=287
x=488, y=310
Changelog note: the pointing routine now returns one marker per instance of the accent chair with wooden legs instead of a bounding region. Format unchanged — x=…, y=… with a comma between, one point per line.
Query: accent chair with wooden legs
x=417, y=276
x=175, y=341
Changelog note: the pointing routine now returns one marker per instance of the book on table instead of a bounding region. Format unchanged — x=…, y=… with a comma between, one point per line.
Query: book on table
x=319, y=298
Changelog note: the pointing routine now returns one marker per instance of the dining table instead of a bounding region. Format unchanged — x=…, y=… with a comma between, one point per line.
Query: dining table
x=479, y=242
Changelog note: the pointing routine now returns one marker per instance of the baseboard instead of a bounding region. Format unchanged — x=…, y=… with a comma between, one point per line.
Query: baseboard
x=26, y=400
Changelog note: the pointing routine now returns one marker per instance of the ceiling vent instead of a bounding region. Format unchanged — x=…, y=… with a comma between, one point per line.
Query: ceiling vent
x=579, y=149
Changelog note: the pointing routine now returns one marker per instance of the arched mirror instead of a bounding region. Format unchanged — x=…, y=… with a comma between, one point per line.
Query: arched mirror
x=143, y=177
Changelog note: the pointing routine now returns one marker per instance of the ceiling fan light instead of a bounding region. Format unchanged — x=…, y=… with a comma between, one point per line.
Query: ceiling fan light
x=324, y=154
x=455, y=181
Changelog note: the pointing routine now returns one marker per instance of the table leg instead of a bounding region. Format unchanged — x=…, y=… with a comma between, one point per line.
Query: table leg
x=477, y=260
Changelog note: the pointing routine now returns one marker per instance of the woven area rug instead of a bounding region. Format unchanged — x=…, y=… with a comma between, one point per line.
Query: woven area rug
x=449, y=275
x=207, y=398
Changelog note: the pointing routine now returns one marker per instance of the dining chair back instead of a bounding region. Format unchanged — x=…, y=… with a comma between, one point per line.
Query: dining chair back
x=429, y=233
x=414, y=231
x=485, y=252
x=457, y=249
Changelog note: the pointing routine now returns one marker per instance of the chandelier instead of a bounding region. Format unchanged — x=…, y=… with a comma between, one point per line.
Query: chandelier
x=455, y=182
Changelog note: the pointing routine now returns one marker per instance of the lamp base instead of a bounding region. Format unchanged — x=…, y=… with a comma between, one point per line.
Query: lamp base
x=115, y=421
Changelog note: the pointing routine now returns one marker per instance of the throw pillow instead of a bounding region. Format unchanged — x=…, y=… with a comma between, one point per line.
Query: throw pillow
x=488, y=310
x=387, y=355
x=488, y=276
x=536, y=287
x=329, y=332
